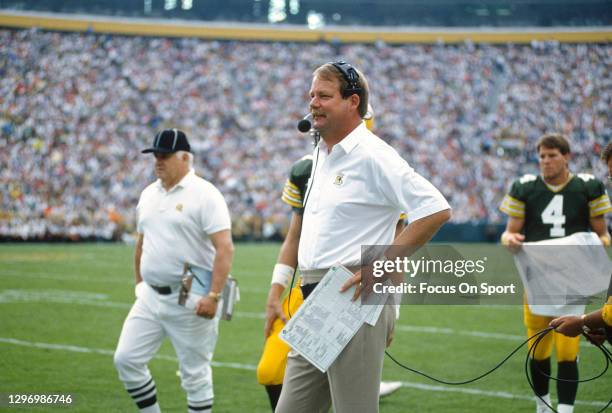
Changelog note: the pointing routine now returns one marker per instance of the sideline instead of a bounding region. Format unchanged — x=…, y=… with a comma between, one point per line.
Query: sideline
x=240, y=366
x=101, y=300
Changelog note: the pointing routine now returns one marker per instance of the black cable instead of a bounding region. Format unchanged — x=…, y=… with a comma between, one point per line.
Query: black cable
x=532, y=349
x=456, y=383
x=531, y=354
x=289, y=296
x=308, y=191
x=603, y=349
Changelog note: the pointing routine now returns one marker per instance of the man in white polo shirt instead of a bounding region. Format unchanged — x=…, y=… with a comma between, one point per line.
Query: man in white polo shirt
x=182, y=219
x=358, y=188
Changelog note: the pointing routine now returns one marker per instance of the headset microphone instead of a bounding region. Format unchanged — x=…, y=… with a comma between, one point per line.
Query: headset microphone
x=305, y=124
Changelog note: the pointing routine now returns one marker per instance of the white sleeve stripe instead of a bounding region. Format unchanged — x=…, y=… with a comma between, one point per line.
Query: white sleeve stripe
x=513, y=201
x=290, y=198
x=292, y=191
x=602, y=200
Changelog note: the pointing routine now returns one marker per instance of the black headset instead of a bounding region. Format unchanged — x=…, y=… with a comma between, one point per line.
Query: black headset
x=351, y=76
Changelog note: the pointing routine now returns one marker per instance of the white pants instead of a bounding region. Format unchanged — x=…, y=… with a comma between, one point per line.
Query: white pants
x=151, y=319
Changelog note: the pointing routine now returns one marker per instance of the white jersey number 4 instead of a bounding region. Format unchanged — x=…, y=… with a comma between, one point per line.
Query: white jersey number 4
x=553, y=215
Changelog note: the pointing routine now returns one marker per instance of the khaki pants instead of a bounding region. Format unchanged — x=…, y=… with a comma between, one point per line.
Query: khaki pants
x=352, y=382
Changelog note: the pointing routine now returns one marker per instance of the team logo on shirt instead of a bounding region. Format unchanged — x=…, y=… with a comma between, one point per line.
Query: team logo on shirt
x=339, y=180
x=179, y=207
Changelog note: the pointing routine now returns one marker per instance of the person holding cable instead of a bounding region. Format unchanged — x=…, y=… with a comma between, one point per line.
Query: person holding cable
x=358, y=187
x=592, y=323
x=183, y=221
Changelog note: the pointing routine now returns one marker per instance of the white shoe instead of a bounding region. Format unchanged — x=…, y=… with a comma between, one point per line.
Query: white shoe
x=541, y=407
x=388, y=387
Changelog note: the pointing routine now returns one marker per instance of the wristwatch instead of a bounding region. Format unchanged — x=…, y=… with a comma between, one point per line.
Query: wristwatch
x=584, y=326
x=215, y=296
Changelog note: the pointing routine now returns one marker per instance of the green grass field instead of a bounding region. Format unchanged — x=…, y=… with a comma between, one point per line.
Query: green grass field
x=62, y=308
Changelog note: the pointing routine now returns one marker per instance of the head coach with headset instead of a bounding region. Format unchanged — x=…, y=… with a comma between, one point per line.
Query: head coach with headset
x=358, y=187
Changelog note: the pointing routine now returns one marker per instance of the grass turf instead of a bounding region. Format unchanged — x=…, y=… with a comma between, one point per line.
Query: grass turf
x=62, y=307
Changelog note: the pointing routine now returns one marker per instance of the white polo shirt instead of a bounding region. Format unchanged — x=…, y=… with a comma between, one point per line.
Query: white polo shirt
x=176, y=224
x=354, y=198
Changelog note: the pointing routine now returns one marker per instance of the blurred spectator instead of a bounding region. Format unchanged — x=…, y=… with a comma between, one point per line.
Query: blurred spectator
x=76, y=108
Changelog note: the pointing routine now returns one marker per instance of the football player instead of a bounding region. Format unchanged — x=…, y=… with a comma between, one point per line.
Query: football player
x=601, y=319
x=554, y=204
x=271, y=367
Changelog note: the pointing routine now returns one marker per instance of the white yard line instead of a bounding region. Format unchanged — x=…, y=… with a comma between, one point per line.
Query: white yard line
x=450, y=331
x=101, y=300
x=486, y=393
x=78, y=349
x=129, y=279
x=241, y=366
x=59, y=296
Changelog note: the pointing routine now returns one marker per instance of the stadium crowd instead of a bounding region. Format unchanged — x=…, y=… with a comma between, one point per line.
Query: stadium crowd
x=76, y=109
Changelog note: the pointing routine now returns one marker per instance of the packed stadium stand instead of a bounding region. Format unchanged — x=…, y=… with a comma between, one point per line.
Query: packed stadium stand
x=77, y=108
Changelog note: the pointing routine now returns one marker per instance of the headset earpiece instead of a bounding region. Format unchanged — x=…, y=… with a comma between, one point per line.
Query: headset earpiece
x=351, y=77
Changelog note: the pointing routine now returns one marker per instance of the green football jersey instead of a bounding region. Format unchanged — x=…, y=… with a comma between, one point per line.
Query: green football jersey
x=556, y=213
x=295, y=186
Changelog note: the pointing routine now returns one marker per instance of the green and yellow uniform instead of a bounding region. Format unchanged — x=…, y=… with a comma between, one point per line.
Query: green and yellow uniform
x=554, y=212
x=271, y=367
x=295, y=186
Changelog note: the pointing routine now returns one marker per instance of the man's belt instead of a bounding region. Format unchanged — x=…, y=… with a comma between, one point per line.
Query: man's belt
x=163, y=290
x=314, y=276
x=307, y=289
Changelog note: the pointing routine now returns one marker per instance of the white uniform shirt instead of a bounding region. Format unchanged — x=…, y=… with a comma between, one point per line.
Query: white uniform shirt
x=354, y=198
x=176, y=224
